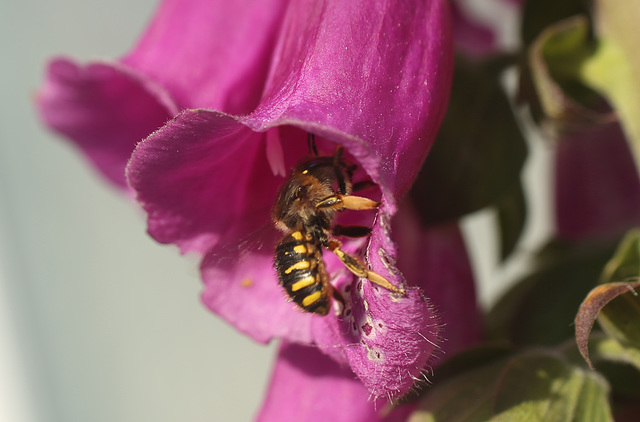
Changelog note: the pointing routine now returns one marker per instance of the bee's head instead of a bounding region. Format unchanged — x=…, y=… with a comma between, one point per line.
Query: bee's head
x=296, y=204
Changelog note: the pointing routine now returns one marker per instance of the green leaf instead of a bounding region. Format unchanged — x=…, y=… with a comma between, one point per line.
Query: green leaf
x=512, y=210
x=609, y=349
x=623, y=378
x=621, y=317
x=531, y=386
x=540, y=309
x=539, y=14
x=569, y=65
x=614, y=68
x=556, y=59
x=620, y=365
x=625, y=263
x=471, y=359
x=479, y=152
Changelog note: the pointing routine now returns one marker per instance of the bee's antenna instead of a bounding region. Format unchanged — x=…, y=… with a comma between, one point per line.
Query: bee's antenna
x=311, y=143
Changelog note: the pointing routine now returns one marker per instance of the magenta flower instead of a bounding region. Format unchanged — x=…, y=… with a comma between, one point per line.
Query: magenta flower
x=334, y=394
x=471, y=37
x=252, y=80
x=107, y=107
x=597, y=191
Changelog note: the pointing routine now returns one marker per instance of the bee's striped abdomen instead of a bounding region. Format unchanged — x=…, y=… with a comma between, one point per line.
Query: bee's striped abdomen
x=302, y=273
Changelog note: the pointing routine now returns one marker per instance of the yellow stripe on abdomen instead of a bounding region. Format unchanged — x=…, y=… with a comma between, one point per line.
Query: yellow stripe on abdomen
x=300, y=265
x=307, y=281
x=301, y=249
x=312, y=298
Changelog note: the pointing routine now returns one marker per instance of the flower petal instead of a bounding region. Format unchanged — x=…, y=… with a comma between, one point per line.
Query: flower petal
x=387, y=341
x=204, y=179
x=436, y=259
x=210, y=53
x=378, y=73
x=306, y=385
x=104, y=108
x=196, y=53
x=241, y=287
x=398, y=335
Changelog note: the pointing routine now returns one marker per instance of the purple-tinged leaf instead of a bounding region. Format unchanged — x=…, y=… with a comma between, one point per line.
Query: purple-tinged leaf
x=592, y=306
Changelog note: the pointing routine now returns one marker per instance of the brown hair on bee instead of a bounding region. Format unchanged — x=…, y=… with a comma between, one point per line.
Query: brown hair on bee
x=305, y=212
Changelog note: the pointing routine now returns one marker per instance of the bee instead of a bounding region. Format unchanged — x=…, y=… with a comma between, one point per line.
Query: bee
x=305, y=211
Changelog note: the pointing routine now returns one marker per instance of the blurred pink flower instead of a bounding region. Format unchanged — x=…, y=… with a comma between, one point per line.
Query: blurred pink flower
x=597, y=191
x=245, y=81
x=471, y=37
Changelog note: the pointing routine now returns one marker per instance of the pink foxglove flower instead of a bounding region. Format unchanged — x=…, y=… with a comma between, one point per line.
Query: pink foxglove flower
x=307, y=385
x=246, y=82
x=597, y=192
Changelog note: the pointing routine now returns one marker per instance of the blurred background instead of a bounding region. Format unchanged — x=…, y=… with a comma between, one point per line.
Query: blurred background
x=98, y=322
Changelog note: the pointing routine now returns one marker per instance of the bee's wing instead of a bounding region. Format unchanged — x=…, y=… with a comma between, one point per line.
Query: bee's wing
x=233, y=248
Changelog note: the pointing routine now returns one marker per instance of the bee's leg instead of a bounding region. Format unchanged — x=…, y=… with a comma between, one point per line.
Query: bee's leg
x=338, y=164
x=358, y=269
x=311, y=143
x=364, y=185
x=337, y=155
x=350, y=231
x=338, y=296
x=348, y=202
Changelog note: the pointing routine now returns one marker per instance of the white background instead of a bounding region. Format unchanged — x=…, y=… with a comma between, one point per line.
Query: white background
x=98, y=322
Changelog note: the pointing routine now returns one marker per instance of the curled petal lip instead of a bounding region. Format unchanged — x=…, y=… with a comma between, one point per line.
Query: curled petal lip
x=191, y=175
x=105, y=108
x=195, y=53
